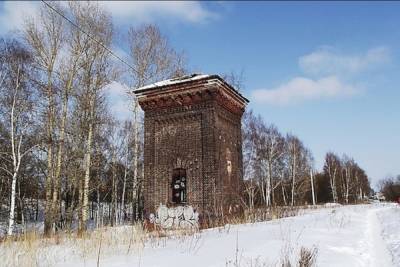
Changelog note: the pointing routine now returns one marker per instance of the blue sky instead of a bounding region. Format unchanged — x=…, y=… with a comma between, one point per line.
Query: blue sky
x=325, y=71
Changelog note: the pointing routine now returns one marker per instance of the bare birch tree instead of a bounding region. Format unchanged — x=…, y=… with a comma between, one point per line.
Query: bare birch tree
x=332, y=169
x=273, y=152
x=249, y=150
x=298, y=162
x=17, y=98
x=45, y=37
x=96, y=72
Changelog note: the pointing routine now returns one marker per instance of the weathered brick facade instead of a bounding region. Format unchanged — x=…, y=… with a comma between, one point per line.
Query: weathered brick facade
x=193, y=124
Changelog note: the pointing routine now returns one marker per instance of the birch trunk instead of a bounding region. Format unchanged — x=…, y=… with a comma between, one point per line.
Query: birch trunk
x=312, y=186
x=57, y=176
x=135, y=211
x=122, y=214
x=85, y=189
x=283, y=194
x=16, y=156
x=49, y=216
x=293, y=173
x=15, y=165
x=332, y=182
x=12, y=206
x=269, y=183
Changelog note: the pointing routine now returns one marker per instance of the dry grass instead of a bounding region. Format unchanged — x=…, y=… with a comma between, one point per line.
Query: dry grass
x=255, y=215
x=33, y=249
x=307, y=257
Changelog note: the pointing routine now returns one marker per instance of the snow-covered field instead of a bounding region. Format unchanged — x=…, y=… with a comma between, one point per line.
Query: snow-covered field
x=359, y=235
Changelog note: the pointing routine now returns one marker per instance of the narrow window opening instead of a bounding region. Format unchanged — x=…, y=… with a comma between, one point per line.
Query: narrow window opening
x=179, y=186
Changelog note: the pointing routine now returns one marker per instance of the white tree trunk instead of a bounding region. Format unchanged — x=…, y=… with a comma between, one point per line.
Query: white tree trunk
x=269, y=183
x=332, y=181
x=293, y=174
x=312, y=186
x=16, y=155
x=12, y=206
x=347, y=181
x=85, y=193
x=122, y=210
x=135, y=211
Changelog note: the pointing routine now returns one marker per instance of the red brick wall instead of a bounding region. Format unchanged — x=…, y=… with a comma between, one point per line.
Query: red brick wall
x=200, y=138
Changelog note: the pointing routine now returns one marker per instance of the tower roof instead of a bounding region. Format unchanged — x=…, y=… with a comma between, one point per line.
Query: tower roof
x=190, y=89
x=183, y=80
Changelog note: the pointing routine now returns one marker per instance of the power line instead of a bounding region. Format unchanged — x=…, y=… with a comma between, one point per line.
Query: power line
x=89, y=35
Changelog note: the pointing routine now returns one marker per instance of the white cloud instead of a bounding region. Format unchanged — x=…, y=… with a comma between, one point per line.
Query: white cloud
x=300, y=89
x=328, y=74
x=125, y=12
x=145, y=11
x=326, y=61
x=13, y=14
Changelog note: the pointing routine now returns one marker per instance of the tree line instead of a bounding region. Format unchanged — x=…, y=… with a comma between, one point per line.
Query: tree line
x=279, y=170
x=390, y=188
x=62, y=151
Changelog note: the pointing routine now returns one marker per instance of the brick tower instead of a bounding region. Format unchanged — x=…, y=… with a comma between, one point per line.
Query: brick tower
x=192, y=143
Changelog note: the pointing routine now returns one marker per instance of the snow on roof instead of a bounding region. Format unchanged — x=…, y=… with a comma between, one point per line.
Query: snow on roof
x=182, y=79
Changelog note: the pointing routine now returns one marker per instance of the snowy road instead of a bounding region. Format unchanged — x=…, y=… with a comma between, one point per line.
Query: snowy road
x=363, y=235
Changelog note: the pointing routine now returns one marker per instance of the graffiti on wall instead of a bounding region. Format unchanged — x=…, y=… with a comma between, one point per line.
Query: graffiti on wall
x=175, y=217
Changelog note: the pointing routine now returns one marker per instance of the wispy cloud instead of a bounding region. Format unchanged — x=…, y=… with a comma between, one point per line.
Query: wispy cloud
x=300, y=89
x=12, y=13
x=147, y=11
x=326, y=60
x=328, y=74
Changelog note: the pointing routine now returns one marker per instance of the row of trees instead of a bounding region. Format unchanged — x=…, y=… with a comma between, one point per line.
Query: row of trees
x=390, y=188
x=279, y=170
x=347, y=181
x=60, y=146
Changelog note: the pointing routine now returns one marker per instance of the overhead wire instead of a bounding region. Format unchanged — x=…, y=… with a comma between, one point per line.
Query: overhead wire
x=89, y=35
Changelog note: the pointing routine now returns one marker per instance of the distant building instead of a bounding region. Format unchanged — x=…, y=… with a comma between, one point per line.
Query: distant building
x=192, y=143
x=379, y=196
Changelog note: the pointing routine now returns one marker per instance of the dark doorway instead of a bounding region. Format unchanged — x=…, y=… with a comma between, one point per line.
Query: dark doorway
x=179, y=186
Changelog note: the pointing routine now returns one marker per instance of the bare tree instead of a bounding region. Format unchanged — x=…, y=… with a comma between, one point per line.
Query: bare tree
x=68, y=71
x=236, y=79
x=153, y=59
x=249, y=149
x=332, y=169
x=17, y=98
x=390, y=188
x=273, y=153
x=348, y=165
x=298, y=163
x=96, y=72
x=45, y=37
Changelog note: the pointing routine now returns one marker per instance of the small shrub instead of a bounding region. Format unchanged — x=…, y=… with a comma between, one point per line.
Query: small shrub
x=307, y=257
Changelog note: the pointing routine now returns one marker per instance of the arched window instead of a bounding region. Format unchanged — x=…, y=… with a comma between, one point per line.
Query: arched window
x=179, y=186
